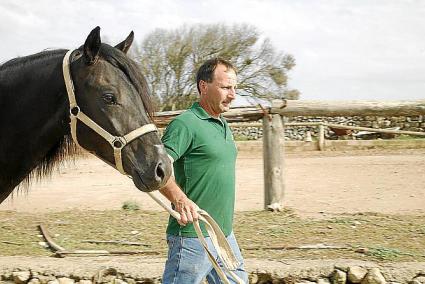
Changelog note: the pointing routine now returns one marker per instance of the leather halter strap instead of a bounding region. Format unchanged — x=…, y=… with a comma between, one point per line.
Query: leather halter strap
x=117, y=142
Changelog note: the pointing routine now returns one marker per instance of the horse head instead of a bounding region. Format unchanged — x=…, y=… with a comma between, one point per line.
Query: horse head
x=111, y=91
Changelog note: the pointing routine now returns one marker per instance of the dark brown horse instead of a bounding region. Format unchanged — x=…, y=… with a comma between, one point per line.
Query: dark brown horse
x=109, y=89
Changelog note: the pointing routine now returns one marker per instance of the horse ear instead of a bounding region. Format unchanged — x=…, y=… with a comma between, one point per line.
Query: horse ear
x=124, y=46
x=92, y=46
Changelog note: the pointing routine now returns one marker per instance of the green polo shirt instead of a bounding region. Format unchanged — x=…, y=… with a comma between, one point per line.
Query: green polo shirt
x=204, y=154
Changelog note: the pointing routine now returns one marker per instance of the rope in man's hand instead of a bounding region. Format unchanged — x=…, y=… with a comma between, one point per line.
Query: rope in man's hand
x=219, y=241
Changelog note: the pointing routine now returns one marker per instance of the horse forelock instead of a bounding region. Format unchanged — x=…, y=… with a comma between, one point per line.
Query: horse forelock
x=131, y=71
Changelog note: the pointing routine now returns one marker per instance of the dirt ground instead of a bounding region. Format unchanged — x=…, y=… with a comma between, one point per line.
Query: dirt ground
x=317, y=184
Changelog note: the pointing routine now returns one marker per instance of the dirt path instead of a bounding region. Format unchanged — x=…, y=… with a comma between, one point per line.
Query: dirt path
x=316, y=184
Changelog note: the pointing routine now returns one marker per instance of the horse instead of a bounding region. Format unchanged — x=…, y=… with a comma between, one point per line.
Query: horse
x=103, y=106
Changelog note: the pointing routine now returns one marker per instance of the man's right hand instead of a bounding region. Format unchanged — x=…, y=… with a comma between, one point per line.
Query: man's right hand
x=187, y=209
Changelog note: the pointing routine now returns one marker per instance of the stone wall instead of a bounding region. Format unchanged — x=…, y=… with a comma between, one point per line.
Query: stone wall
x=413, y=123
x=260, y=272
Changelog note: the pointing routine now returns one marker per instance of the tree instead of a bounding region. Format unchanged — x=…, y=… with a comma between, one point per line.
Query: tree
x=169, y=60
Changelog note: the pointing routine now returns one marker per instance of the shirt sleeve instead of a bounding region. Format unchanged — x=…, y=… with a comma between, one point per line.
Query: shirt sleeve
x=177, y=139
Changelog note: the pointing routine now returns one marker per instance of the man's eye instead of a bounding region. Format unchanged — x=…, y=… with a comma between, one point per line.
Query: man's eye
x=109, y=99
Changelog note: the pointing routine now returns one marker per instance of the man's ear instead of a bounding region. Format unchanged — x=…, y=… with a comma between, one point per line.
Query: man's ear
x=203, y=87
x=124, y=46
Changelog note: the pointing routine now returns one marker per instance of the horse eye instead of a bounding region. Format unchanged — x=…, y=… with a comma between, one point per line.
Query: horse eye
x=109, y=99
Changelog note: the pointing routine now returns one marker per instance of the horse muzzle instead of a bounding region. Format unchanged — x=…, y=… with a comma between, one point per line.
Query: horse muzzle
x=153, y=177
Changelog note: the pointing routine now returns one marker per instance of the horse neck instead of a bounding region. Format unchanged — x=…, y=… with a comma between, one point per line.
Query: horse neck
x=33, y=119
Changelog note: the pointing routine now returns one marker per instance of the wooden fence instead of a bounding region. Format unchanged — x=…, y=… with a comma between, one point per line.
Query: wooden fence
x=273, y=126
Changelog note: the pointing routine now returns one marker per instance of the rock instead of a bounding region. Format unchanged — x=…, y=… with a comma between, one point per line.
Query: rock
x=65, y=280
x=45, y=279
x=53, y=282
x=374, y=276
x=323, y=281
x=356, y=274
x=119, y=281
x=339, y=277
x=34, y=281
x=6, y=276
x=420, y=279
x=21, y=276
x=43, y=244
x=132, y=281
x=253, y=278
x=84, y=282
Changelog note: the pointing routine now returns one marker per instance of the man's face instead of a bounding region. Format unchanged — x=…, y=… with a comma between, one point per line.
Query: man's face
x=218, y=94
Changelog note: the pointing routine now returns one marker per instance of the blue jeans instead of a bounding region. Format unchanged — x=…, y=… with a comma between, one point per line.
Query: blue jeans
x=188, y=263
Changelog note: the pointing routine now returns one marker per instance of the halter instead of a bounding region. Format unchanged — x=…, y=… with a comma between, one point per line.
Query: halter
x=117, y=142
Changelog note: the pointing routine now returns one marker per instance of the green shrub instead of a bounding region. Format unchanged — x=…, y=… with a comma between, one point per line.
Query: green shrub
x=130, y=205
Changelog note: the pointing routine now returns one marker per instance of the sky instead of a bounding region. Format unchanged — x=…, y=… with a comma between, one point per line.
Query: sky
x=344, y=50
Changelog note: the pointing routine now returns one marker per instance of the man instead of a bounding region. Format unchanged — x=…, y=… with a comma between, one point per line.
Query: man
x=203, y=152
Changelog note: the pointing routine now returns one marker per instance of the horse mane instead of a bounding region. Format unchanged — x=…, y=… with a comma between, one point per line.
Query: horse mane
x=20, y=62
x=65, y=150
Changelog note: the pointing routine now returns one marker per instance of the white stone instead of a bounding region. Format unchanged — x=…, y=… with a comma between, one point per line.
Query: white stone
x=21, y=276
x=84, y=282
x=45, y=279
x=119, y=281
x=65, y=280
x=374, y=276
x=323, y=281
x=339, y=277
x=53, y=282
x=420, y=279
x=34, y=281
x=356, y=274
x=43, y=244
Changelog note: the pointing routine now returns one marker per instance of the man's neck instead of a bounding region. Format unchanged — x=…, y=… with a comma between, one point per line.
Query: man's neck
x=209, y=110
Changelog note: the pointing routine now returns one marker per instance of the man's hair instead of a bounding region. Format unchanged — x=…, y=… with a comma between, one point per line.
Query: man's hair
x=206, y=71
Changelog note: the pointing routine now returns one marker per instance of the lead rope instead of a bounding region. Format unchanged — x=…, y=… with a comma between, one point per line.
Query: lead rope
x=219, y=241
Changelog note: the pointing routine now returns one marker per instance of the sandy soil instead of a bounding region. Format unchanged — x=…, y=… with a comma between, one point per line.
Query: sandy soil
x=317, y=184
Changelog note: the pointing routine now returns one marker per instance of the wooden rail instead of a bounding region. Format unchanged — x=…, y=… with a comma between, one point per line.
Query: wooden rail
x=348, y=108
x=315, y=108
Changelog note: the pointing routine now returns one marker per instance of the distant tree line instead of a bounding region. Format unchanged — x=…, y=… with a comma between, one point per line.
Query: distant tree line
x=169, y=60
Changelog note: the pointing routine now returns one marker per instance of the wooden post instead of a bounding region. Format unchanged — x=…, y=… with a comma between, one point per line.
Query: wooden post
x=272, y=159
x=321, y=139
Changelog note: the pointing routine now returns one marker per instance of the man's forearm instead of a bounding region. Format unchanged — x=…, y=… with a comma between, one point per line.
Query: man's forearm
x=187, y=209
x=172, y=191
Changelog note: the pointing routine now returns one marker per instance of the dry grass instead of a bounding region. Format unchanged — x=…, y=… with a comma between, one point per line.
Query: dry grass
x=387, y=237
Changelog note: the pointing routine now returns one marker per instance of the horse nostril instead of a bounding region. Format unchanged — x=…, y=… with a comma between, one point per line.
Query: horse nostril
x=160, y=172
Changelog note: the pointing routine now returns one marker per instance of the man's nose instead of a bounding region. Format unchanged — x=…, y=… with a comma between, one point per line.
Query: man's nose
x=232, y=93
